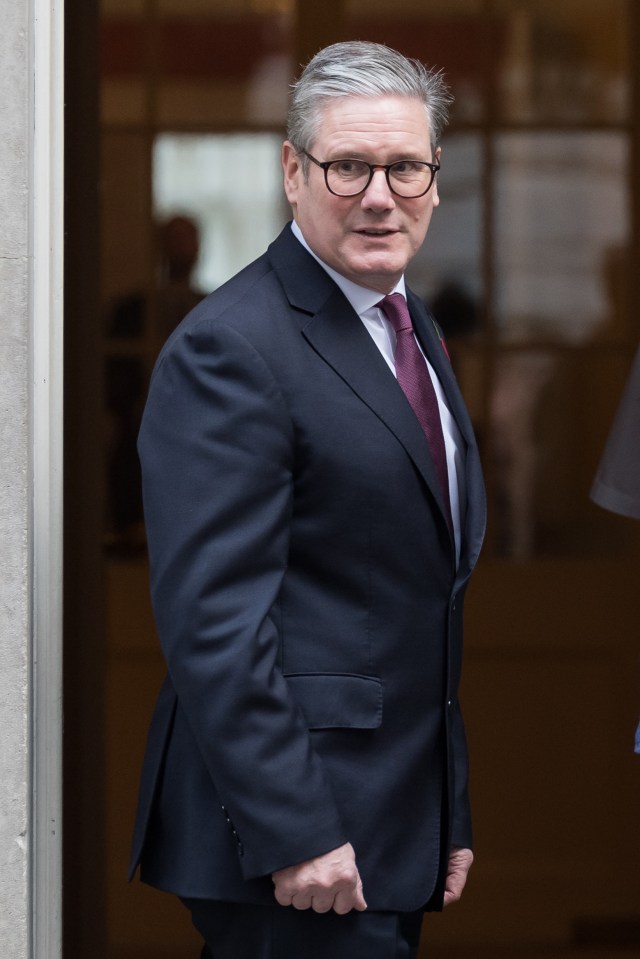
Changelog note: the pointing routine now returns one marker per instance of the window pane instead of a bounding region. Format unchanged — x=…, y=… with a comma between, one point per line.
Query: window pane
x=123, y=59
x=456, y=37
x=447, y=271
x=549, y=414
x=561, y=218
x=126, y=251
x=224, y=64
x=231, y=184
x=450, y=259
x=562, y=61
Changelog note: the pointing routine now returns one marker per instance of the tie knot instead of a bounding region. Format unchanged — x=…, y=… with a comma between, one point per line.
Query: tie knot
x=395, y=308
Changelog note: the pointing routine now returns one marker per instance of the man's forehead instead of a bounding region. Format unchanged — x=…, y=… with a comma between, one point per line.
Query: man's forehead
x=362, y=103
x=358, y=108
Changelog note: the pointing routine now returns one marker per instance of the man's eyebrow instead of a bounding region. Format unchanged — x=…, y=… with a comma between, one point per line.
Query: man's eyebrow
x=367, y=157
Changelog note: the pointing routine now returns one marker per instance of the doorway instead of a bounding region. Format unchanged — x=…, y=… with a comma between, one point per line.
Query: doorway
x=528, y=268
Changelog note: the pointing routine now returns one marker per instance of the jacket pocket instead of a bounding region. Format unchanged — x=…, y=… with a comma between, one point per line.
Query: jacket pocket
x=338, y=700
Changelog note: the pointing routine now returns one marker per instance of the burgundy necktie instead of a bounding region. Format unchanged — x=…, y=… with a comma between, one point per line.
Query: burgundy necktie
x=414, y=378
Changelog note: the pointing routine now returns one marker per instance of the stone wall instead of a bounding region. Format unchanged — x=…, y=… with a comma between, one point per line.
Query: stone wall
x=15, y=472
x=31, y=136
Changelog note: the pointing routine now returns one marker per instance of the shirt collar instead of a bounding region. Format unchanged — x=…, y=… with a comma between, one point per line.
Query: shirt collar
x=360, y=298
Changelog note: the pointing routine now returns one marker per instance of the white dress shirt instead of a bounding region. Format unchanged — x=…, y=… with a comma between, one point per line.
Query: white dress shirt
x=364, y=302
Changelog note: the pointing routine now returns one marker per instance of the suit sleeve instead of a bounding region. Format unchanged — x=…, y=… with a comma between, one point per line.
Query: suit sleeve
x=216, y=447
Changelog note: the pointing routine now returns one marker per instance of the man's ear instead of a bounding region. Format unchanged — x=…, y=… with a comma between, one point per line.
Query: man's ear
x=292, y=171
x=435, y=199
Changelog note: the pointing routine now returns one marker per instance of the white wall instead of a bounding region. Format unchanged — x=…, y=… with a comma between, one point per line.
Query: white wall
x=14, y=479
x=30, y=387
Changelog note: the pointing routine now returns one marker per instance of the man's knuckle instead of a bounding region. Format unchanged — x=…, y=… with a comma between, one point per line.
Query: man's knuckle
x=342, y=908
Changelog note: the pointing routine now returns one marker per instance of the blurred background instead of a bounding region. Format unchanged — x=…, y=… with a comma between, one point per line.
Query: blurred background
x=175, y=116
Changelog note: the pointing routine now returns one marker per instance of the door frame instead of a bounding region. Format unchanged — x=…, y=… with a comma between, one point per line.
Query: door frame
x=46, y=302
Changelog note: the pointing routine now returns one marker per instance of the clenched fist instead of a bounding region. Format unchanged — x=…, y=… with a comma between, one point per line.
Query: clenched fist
x=327, y=882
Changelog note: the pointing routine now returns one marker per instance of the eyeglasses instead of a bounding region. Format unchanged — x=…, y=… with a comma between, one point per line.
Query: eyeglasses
x=349, y=177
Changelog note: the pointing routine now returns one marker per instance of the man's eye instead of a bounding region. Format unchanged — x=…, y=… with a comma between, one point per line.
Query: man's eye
x=407, y=168
x=349, y=169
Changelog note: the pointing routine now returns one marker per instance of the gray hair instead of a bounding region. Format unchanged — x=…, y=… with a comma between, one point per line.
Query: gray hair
x=363, y=69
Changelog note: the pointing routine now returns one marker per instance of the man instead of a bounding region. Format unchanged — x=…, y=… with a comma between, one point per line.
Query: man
x=312, y=527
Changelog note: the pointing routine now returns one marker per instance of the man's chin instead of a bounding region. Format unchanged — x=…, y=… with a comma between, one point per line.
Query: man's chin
x=378, y=273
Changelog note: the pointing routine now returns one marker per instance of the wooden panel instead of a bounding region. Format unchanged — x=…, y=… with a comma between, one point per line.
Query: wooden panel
x=550, y=698
x=138, y=917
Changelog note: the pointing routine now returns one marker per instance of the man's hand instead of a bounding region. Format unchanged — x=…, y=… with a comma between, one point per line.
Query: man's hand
x=327, y=882
x=459, y=865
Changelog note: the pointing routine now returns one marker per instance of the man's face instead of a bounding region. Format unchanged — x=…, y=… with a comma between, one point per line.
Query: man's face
x=369, y=238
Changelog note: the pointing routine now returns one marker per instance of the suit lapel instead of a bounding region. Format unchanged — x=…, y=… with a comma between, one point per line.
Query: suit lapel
x=475, y=515
x=433, y=349
x=337, y=334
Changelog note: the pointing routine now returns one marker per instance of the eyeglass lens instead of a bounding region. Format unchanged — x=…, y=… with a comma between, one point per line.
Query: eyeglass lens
x=406, y=178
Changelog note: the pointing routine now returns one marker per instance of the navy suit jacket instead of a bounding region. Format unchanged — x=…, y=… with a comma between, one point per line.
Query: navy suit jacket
x=306, y=598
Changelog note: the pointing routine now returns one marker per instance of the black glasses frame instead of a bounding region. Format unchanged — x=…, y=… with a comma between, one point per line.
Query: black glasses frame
x=325, y=165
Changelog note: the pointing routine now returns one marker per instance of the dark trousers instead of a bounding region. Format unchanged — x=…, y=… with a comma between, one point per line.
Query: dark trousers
x=242, y=931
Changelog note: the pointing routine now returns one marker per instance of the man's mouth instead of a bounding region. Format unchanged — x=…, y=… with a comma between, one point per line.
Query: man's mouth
x=372, y=231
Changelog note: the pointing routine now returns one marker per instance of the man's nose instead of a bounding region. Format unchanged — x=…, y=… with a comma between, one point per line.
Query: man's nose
x=378, y=195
